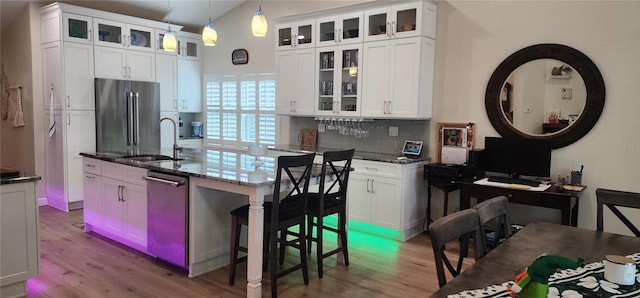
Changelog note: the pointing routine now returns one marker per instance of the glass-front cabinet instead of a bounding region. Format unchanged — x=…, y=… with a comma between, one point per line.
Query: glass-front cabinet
x=338, y=80
x=116, y=34
x=295, y=35
x=77, y=28
x=397, y=21
x=342, y=29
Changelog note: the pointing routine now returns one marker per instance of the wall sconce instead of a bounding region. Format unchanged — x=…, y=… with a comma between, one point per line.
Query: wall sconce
x=259, y=23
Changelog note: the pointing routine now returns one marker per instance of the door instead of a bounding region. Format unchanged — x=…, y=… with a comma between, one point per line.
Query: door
x=141, y=66
x=108, y=33
x=78, y=76
x=77, y=28
x=135, y=203
x=375, y=89
x=167, y=76
x=305, y=83
x=406, y=63
x=80, y=137
x=114, y=216
x=359, y=196
x=386, y=202
x=92, y=205
x=52, y=68
x=148, y=113
x=140, y=38
x=189, y=86
x=110, y=63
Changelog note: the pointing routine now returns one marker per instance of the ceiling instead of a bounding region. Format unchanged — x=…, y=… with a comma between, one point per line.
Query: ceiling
x=192, y=14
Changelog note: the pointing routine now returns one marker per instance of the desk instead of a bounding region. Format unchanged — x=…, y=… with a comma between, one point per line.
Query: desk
x=511, y=257
x=444, y=184
x=566, y=202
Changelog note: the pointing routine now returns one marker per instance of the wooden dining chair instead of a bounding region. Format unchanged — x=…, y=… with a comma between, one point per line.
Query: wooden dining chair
x=282, y=213
x=331, y=198
x=614, y=199
x=462, y=226
x=494, y=210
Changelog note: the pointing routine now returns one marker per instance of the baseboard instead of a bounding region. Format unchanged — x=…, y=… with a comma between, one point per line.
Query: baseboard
x=43, y=202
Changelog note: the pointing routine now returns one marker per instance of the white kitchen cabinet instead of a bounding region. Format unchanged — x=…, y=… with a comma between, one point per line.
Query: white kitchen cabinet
x=19, y=240
x=64, y=167
x=295, y=82
x=398, y=78
x=77, y=28
x=189, y=46
x=122, y=64
x=189, y=86
x=410, y=19
x=339, y=29
x=92, y=187
x=387, y=195
x=78, y=76
x=115, y=34
x=72, y=85
x=338, y=80
x=166, y=129
x=117, y=208
x=191, y=143
x=296, y=35
x=159, y=38
x=167, y=76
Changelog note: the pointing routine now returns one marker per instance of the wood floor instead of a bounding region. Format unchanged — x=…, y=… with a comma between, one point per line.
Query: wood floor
x=78, y=264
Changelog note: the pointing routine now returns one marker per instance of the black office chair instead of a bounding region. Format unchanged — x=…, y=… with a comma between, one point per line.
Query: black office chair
x=613, y=199
x=494, y=210
x=462, y=226
x=280, y=214
x=331, y=198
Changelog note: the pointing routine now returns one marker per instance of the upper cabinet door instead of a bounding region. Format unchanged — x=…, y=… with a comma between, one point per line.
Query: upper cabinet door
x=120, y=35
x=77, y=28
x=159, y=37
x=188, y=48
x=295, y=35
x=342, y=29
x=398, y=21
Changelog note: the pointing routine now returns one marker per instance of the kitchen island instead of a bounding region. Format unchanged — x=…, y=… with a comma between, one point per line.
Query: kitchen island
x=19, y=240
x=219, y=181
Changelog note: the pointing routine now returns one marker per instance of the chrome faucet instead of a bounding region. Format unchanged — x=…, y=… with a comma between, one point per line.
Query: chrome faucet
x=176, y=149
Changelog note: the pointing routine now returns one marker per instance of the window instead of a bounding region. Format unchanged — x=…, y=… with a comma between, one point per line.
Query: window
x=240, y=109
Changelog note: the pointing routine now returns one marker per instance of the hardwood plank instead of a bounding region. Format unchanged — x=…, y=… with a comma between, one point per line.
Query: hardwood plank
x=78, y=264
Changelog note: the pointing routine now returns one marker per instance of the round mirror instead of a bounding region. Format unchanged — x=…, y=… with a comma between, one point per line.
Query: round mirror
x=546, y=91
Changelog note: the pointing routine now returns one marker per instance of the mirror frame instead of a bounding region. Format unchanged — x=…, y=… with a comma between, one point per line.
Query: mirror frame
x=593, y=81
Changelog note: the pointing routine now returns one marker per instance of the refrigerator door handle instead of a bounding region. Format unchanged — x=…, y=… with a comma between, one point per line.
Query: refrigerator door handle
x=136, y=118
x=130, y=138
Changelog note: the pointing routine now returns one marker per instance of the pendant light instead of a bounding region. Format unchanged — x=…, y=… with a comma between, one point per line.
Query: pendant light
x=169, y=41
x=209, y=34
x=259, y=23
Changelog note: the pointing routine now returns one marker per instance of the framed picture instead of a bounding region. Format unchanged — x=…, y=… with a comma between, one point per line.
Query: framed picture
x=239, y=56
x=412, y=147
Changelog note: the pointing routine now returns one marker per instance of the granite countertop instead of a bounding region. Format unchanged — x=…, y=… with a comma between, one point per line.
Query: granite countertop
x=362, y=155
x=198, y=163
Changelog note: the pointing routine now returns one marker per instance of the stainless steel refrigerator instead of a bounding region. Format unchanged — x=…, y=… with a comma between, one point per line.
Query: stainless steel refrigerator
x=127, y=116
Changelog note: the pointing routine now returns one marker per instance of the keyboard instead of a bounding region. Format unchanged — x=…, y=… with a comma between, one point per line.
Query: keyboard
x=508, y=180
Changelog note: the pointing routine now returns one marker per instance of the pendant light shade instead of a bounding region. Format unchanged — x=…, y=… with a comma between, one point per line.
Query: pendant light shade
x=169, y=41
x=209, y=34
x=259, y=24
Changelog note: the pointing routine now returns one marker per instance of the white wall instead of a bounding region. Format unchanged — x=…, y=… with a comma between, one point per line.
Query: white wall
x=473, y=37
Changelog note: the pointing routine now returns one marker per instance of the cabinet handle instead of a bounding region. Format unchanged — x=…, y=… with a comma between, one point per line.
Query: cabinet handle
x=68, y=101
x=389, y=108
x=372, y=185
x=91, y=166
x=294, y=40
x=393, y=28
x=125, y=200
x=90, y=35
x=69, y=119
x=124, y=40
x=384, y=108
x=371, y=169
x=124, y=71
x=339, y=35
x=335, y=37
x=129, y=71
x=294, y=106
x=119, y=188
x=90, y=177
x=388, y=31
x=368, y=184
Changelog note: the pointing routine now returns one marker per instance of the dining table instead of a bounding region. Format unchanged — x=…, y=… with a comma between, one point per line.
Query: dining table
x=490, y=275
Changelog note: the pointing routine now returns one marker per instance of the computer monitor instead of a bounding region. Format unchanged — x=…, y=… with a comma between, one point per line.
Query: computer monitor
x=517, y=157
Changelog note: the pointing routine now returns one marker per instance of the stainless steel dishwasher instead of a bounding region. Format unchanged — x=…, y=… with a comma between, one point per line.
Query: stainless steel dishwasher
x=167, y=217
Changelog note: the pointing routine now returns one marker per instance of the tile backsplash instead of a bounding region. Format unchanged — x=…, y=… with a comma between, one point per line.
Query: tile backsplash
x=378, y=140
